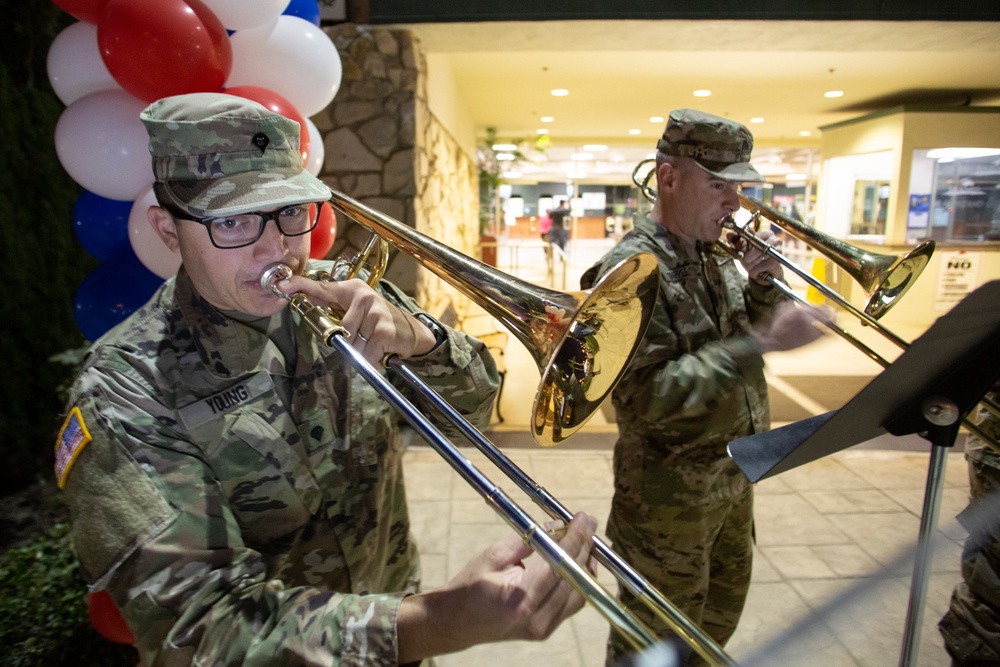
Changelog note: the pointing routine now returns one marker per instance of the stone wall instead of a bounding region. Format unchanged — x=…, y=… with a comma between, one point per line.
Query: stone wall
x=384, y=148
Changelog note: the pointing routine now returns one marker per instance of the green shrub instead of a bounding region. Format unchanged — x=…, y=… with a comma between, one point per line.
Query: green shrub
x=43, y=610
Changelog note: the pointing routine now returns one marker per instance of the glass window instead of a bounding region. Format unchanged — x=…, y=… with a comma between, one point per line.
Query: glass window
x=963, y=185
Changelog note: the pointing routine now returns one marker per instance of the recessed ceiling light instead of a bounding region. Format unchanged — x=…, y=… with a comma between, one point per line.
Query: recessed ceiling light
x=595, y=147
x=547, y=119
x=504, y=147
x=512, y=174
x=559, y=92
x=795, y=177
x=581, y=156
x=805, y=133
x=505, y=156
x=576, y=174
x=758, y=119
x=702, y=93
x=833, y=93
x=542, y=130
x=634, y=131
x=656, y=119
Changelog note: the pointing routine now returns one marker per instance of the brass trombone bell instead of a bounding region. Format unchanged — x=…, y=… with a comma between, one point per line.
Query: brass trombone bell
x=885, y=278
x=582, y=341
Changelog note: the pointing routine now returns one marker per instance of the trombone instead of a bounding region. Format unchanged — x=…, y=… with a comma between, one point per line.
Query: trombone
x=885, y=278
x=582, y=341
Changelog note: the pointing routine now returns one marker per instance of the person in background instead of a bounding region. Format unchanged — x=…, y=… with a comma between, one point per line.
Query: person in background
x=235, y=486
x=560, y=224
x=682, y=512
x=545, y=225
x=971, y=626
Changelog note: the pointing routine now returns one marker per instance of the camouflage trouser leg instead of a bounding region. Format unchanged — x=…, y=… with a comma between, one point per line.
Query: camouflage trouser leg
x=702, y=568
x=971, y=626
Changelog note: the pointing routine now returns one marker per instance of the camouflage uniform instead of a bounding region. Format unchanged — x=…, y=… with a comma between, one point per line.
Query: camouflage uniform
x=682, y=510
x=241, y=505
x=971, y=626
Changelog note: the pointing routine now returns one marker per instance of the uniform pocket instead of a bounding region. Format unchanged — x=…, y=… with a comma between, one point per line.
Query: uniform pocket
x=271, y=491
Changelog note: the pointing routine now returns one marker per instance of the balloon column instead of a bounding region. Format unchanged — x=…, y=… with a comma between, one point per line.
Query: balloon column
x=123, y=54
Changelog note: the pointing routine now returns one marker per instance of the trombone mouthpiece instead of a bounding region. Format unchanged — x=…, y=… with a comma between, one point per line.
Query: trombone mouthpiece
x=270, y=278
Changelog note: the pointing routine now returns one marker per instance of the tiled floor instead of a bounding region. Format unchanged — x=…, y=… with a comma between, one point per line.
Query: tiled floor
x=835, y=538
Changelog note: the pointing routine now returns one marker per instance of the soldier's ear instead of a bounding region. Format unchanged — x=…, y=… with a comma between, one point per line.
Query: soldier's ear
x=165, y=227
x=666, y=175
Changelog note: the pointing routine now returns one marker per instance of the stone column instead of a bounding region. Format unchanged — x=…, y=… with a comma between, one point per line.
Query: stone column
x=384, y=148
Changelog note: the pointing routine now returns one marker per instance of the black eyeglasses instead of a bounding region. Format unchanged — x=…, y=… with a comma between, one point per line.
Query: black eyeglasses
x=237, y=231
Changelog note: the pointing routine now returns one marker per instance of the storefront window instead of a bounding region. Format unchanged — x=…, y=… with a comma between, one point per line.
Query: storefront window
x=958, y=196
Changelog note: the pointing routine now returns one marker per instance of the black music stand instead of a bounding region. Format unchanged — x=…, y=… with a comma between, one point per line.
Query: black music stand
x=928, y=390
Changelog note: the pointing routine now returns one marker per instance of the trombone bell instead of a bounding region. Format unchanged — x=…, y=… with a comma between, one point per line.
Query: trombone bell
x=582, y=342
x=885, y=278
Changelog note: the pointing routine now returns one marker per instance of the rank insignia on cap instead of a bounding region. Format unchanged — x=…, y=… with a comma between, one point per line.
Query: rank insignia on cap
x=73, y=437
x=260, y=140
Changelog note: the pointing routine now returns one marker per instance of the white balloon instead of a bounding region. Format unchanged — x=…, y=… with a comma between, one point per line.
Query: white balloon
x=75, y=66
x=148, y=247
x=243, y=14
x=291, y=57
x=317, y=151
x=103, y=145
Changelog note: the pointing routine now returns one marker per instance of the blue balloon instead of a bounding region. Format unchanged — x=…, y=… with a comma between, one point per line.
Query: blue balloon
x=101, y=225
x=304, y=9
x=112, y=292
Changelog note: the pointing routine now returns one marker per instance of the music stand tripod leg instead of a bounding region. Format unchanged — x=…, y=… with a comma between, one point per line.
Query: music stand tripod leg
x=943, y=439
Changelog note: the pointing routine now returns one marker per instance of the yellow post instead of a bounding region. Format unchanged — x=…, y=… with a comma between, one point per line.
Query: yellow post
x=813, y=295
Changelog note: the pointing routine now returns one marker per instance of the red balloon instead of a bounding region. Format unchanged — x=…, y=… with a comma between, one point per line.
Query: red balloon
x=85, y=10
x=106, y=618
x=163, y=48
x=278, y=105
x=321, y=239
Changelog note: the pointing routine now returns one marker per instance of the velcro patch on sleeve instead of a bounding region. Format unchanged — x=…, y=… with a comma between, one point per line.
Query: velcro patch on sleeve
x=73, y=437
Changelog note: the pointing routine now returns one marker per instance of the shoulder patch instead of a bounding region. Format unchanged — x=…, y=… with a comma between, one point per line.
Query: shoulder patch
x=73, y=437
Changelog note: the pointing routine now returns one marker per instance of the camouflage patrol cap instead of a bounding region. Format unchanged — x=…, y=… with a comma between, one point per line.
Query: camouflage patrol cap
x=718, y=145
x=217, y=154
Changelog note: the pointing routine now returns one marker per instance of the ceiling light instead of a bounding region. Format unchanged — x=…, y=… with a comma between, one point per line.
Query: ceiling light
x=805, y=133
x=656, y=119
x=961, y=153
x=795, y=177
x=702, y=93
x=505, y=147
x=512, y=174
x=559, y=92
x=542, y=130
x=634, y=131
x=758, y=119
x=503, y=157
x=581, y=156
x=596, y=148
x=833, y=93
x=547, y=119
x=576, y=174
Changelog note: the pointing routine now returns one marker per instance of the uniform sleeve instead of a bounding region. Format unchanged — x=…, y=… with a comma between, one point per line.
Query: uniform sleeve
x=153, y=527
x=460, y=369
x=761, y=300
